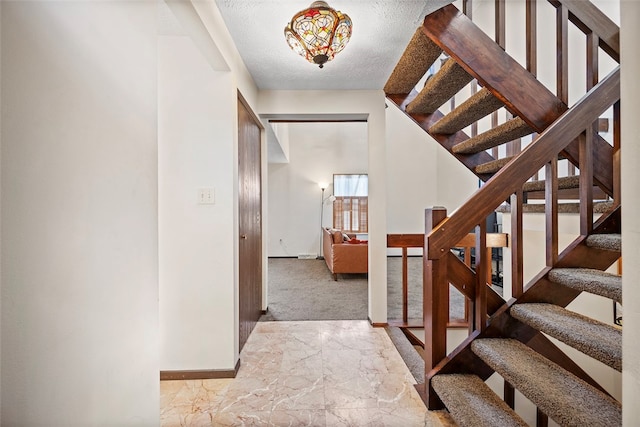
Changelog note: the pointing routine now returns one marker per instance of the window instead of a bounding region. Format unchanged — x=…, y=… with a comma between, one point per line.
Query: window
x=350, y=208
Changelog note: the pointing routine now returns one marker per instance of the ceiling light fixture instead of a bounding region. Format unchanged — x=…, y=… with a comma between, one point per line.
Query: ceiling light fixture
x=318, y=33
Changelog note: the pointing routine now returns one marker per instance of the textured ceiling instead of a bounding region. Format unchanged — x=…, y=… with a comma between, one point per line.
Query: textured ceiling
x=381, y=30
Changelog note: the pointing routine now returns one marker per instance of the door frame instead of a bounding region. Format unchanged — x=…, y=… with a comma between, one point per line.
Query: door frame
x=242, y=334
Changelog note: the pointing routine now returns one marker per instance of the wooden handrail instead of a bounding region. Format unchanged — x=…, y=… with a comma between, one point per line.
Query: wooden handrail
x=494, y=240
x=511, y=177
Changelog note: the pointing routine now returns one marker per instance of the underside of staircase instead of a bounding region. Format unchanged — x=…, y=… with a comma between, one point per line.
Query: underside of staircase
x=513, y=338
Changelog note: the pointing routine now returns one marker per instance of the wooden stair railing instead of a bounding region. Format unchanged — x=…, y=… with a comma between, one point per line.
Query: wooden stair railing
x=494, y=69
x=587, y=17
x=571, y=133
x=516, y=87
x=460, y=274
x=540, y=289
x=513, y=175
x=473, y=213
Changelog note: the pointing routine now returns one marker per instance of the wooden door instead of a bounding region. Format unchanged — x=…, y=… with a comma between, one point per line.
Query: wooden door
x=250, y=224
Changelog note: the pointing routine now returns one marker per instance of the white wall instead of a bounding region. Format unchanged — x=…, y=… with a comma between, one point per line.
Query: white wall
x=420, y=174
x=196, y=150
x=242, y=82
x=79, y=214
x=198, y=142
x=316, y=152
x=277, y=142
x=630, y=90
x=412, y=178
x=0, y=216
x=370, y=104
x=214, y=23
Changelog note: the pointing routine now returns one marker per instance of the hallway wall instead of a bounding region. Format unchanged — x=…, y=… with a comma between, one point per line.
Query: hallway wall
x=79, y=214
x=195, y=150
x=630, y=100
x=420, y=174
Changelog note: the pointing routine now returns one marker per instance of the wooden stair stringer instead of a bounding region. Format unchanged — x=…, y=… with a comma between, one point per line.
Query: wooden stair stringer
x=521, y=93
x=512, y=176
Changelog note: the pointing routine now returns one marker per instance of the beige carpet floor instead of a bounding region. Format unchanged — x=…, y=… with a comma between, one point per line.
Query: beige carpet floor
x=305, y=290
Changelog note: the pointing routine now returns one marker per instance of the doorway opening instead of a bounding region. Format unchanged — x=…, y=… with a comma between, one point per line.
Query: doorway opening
x=303, y=157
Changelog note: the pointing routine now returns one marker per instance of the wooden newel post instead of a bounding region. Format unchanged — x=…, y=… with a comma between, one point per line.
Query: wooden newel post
x=435, y=305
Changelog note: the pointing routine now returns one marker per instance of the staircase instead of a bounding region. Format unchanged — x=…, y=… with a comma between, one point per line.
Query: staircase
x=511, y=338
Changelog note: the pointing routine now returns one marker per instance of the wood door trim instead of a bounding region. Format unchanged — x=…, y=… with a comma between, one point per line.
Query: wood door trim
x=250, y=209
x=377, y=324
x=246, y=105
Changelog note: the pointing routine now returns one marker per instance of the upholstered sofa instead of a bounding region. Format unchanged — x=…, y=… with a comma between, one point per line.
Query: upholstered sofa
x=343, y=253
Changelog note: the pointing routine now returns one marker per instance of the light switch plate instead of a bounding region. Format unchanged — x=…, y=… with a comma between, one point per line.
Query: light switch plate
x=206, y=196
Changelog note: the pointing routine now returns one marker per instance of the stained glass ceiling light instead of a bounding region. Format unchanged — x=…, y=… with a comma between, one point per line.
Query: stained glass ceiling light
x=318, y=33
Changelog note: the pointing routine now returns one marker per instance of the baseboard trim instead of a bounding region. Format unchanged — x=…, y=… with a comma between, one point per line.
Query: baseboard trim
x=400, y=256
x=377, y=325
x=205, y=374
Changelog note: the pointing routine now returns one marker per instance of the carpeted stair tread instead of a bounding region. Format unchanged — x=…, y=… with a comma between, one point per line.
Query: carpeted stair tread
x=565, y=398
x=589, y=280
x=418, y=56
x=564, y=183
x=439, y=88
x=506, y=132
x=472, y=403
x=479, y=105
x=409, y=354
x=598, y=207
x=493, y=166
x=610, y=242
x=597, y=339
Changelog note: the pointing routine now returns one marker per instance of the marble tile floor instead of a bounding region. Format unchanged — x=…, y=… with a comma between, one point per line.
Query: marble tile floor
x=315, y=373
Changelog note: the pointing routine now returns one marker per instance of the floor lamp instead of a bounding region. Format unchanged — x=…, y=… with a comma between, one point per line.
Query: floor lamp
x=323, y=186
